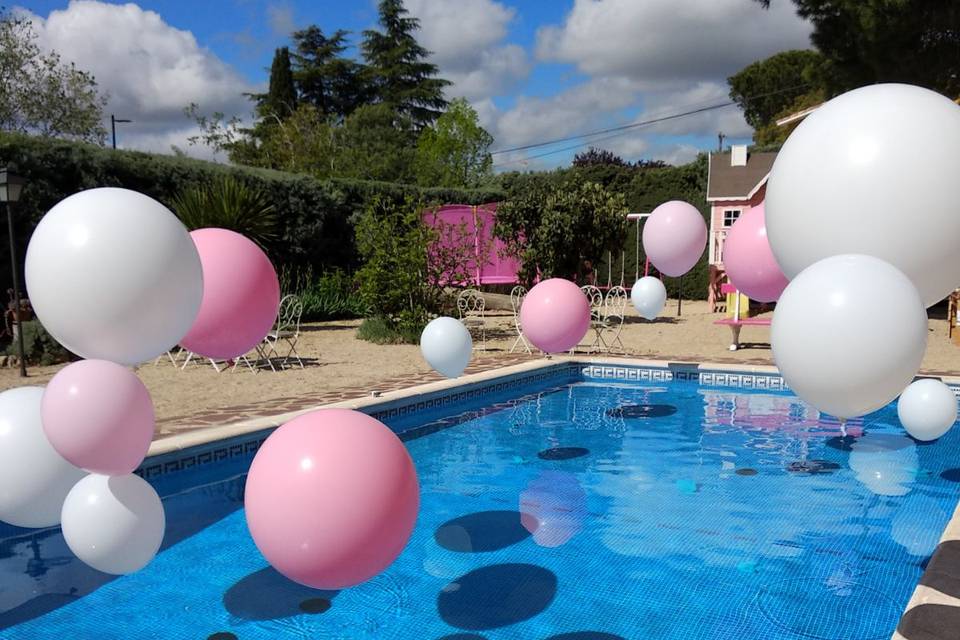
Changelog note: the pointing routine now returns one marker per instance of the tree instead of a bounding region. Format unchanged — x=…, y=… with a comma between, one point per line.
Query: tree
x=553, y=226
x=397, y=69
x=40, y=94
x=375, y=142
x=327, y=80
x=455, y=151
x=765, y=88
x=870, y=41
x=772, y=135
x=592, y=157
x=281, y=98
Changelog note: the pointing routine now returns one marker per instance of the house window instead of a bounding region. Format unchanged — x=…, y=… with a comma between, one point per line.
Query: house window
x=730, y=216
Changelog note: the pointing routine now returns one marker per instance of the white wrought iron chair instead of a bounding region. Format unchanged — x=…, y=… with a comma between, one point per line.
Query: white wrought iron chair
x=614, y=310
x=516, y=301
x=470, y=308
x=286, y=331
x=595, y=298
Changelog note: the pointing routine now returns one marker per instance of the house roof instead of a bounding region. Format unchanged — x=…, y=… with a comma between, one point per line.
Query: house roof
x=737, y=183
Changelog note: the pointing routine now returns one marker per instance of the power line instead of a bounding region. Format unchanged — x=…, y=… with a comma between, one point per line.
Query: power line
x=627, y=127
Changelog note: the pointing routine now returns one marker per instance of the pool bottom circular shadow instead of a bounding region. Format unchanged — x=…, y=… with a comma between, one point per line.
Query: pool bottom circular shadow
x=636, y=411
x=496, y=596
x=811, y=467
x=563, y=453
x=481, y=531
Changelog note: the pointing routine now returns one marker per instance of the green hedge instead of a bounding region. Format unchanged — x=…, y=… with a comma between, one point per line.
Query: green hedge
x=316, y=216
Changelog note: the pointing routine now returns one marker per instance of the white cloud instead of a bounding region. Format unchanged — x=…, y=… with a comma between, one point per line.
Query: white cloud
x=465, y=38
x=150, y=69
x=280, y=18
x=657, y=40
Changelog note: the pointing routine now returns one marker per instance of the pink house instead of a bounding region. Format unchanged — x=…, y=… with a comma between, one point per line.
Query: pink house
x=736, y=182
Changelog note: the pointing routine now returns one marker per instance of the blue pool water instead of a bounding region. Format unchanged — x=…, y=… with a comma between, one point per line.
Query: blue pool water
x=580, y=512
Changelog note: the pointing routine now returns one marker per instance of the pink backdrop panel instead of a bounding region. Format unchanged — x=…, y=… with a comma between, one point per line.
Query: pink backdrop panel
x=487, y=265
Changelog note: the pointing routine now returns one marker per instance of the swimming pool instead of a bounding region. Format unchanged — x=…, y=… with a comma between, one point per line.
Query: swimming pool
x=561, y=507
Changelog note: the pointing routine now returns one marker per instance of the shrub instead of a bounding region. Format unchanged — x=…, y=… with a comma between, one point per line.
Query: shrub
x=39, y=347
x=381, y=330
x=227, y=203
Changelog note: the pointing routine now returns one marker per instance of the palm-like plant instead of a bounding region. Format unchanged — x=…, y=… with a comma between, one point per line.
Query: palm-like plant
x=230, y=204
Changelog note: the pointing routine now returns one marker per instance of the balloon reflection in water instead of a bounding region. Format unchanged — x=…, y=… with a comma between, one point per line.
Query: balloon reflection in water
x=553, y=508
x=885, y=463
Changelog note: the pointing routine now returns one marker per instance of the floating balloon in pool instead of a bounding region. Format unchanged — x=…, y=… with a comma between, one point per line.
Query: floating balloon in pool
x=112, y=274
x=115, y=524
x=873, y=171
x=748, y=259
x=848, y=334
x=927, y=409
x=674, y=237
x=446, y=346
x=553, y=508
x=648, y=296
x=34, y=478
x=555, y=315
x=99, y=417
x=331, y=498
x=241, y=295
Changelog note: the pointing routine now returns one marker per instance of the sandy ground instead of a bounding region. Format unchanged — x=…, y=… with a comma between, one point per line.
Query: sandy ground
x=336, y=360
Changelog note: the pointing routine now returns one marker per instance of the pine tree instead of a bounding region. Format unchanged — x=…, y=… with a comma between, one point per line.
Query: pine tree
x=397, y=69
x=327, y=80
x=281, y=98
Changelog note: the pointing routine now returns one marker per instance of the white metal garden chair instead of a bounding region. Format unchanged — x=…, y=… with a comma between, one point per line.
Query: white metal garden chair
x=614, y=310
x=286, y=332
x=595, y=298
x=517, y=295
x=470, y=308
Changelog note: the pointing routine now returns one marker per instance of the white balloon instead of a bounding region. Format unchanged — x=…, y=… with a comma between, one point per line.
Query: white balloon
x=885, y=463
x=927, y=409
x=34, y=478
x=648, y=296
x=446, y=346
x=873, y=171
x=848, y=334
x=114, y=524
x=112, y=274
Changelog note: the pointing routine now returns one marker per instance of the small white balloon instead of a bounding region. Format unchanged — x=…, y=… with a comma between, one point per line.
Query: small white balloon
x=115, y=524
x=648, y=296
x=446, y=346
x=34, y=478
x=873, y=171
x=927, y=409
x=113, y=275
x=848, y=334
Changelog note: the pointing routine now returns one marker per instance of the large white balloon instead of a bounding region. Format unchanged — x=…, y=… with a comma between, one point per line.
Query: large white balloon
x=446, y=346
x=114, y=524
x=927, y=409
x=34, y=478
x=873, y=171
x=113, y=275
x=849, y=334
x=648, y=296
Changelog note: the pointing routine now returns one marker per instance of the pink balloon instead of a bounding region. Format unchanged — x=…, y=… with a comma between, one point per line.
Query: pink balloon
x=674, y=237
x=749, y=261
x=98, y=416
x=331, y=498
x=241, y=295
x=555, y=315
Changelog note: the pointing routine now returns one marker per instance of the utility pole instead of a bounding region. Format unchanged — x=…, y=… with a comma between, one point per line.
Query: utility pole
x=113, y=127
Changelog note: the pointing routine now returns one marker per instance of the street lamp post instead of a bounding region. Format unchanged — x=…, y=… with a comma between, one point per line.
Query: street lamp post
x=113, y=127
x=10, y=187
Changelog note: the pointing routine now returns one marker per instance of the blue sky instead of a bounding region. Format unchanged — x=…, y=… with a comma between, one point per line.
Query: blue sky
x=534, y=70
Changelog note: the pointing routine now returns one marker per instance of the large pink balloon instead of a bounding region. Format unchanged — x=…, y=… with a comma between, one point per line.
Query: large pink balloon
x=241, y=295
x=555, y=315
x=674, y=237
x=331, y=498
x=98, y=416
x=749, y=261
